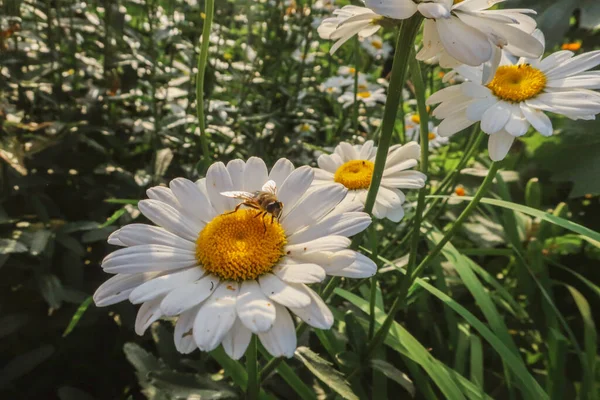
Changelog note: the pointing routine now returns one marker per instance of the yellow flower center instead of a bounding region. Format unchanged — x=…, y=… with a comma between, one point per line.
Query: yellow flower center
x=416, y=119
x=362, y=86
x=305, y=128
x=431, y=136
x=377, y=44
x=517, y=83
x=457, y=1
x=355, y=174
x=351, y=70
x=364, y=95
x=241, y=245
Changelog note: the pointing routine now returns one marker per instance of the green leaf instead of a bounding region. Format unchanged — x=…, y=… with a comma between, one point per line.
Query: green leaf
x=51, y=289
x=394, y=374
x=323, y=370
x=590, y=337
x=572, y=226
x=476, y=361
x=113, y=218
x=77, y=316
x=24, y=363
x=122, y=201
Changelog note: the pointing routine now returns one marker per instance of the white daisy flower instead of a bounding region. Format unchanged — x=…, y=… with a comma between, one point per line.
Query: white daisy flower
x=304, y=128
x=352, y=166
x=227, y=274
x=518, y=95
x=376, y=47
x=467, y=32
x=412, y=125
x=335, y=84
x=347, y=22
x=370, y=95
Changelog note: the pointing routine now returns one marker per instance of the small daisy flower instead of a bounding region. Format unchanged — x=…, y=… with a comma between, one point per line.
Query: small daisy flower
x=335, y=84
x=518, y=95
x=370, y=96
x=298, y=55
x=412, y=124
x=352, y=166
x=347, y=22
x=376, y=47
x=304, y=128
x=227, y=270
x=467, y=32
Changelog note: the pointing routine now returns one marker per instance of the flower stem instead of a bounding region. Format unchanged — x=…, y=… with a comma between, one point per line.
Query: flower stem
x=417, y=79
x=356, y=66
x=404, y=45
x=209, y=11
x=253, y=387
x=407, y=282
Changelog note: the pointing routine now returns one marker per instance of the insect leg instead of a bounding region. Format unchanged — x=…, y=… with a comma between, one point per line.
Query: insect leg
x=236, y=208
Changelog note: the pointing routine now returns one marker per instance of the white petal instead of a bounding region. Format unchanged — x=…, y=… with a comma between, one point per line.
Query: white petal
x=517, y=124
x=396, y=214
x=237, y=340
x=474, y=89
x=218, y=180
x=345, y=224
x=538, y=120
x=169, y=218
x=329, y=261
x=477, y=108
x=328, y=243
x=495, y=117
x=187, y=296
x=146, y=258
x=346, y=151
x=434, y=10
x=454, y=124
x=317, y=314
x=118, y=288
x=283, y=293
x=499, y=144
x=193, y=201
x=321, y=176
x=463, y=42
x=236, y=173
x=216, y=317
x=575, y=65
x=400, y=9
x=280, y=171
x=330, y=162
x=255, y=174
x=363, y=267
x=163, y=284
x=367, y=150
x=137, y=234
x=294, y=187
x=280, y=340
x=445, y=94
x=300, y=273
x=183, y=336
x=164, y=195
x=432, y=44
x=254, y=309
x=148, y=313
x=409, y=152
x=405, y=180
x=313, y=207
x=449, y=108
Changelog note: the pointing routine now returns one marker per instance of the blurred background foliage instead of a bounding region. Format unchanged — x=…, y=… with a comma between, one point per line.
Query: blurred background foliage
x=97, y=104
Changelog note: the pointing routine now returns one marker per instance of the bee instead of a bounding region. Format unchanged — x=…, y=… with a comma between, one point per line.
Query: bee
x=264, y=200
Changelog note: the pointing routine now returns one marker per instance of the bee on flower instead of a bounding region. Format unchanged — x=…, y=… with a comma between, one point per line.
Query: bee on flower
x=232, y=254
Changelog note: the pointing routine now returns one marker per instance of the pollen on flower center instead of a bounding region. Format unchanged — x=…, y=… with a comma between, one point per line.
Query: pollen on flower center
x=416, y=119
x=364, y=95
x=517, y=83
x=355, y=174
x=377, y=44
x=236, y=246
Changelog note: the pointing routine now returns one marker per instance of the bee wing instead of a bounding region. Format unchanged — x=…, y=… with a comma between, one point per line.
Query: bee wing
x=238, y=195
x=270, y=187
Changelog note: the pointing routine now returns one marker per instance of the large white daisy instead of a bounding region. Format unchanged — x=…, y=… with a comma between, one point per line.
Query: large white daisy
x=466, y=32
x=517, y=97
x=352, y=166
x=227, y=275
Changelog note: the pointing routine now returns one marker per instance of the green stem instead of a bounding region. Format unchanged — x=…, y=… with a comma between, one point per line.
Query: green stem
x=356, y=66
x=373, y=294
x=417, y=79
x=404, y=46
x=409, y=279
x=252, y=368
x=209, y=11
